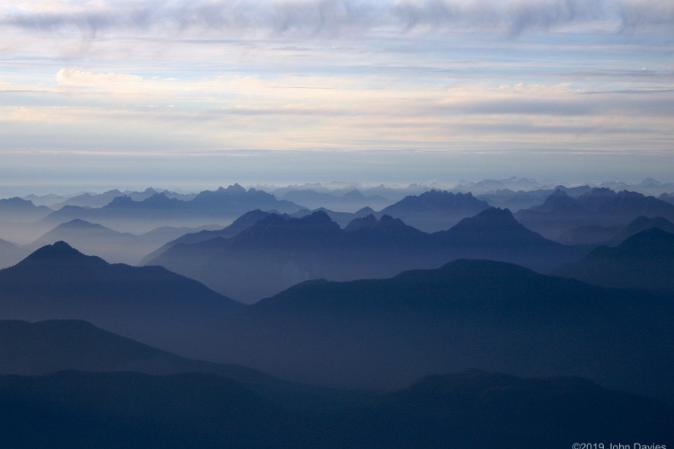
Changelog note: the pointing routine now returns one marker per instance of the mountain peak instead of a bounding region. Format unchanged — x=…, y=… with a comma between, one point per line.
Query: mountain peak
x=233, y=188
x=78, y=223
x=651, y=239
x=56, y=251
x=492, y=218
x=366, y=222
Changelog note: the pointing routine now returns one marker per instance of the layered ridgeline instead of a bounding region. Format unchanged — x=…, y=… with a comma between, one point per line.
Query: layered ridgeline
x=263, y=254
x=475, y=409
x=107, y=243
x=149, y=303
x=350, y=200
x=431, y=211
x=372, y=333
x=644, y=261
x=435, y=210
x=18, y=218
x=219, y=206
x=46, y=347
x=104, y=198
x=613, y=235
x=467, y=314
x=20, y=210
x=561, y=213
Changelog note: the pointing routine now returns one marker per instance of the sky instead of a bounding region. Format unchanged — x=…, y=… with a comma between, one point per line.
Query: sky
x=185, y=93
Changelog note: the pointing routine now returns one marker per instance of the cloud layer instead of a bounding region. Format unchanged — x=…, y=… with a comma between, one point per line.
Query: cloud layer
x=339, y=17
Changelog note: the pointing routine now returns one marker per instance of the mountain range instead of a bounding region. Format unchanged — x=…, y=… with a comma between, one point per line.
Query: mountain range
x=113, y=246
x=517, y=200
x=644, y=260
x=19, y=210
x=381, y=333
x=275, y=252
x=46, y=347
x=598, y=207
x=221, y=206
x=351, y=200
x=435, y=210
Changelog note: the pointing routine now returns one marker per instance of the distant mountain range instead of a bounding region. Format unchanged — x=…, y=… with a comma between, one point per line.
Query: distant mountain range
x=599, y=207
x=613, y=235
x=348, y=201
x=275, y=252
x=431, y=211
x=644, y=260
x=20, y=210
x=641, y=224
x=516, y=200
x=94, y=200
x=435, y=210
x=222, y=205
x=475, y=409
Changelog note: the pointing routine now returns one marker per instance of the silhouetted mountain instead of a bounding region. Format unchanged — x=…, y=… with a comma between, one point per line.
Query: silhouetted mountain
x=58, y=345
x=243, y=222
x=493, y=228
x=473, y=410
x=599, y=207
x=641, y=224
x=467, y=314
x=645, y=260
x=135, y=411
x=481, y=410
x=147, y=303
x=222, y=205
x=10, y=253
x=435, y=210
x=341, y=218
x=279, y=251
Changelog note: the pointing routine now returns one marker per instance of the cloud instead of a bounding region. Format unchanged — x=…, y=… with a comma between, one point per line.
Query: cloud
x=341, y=17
